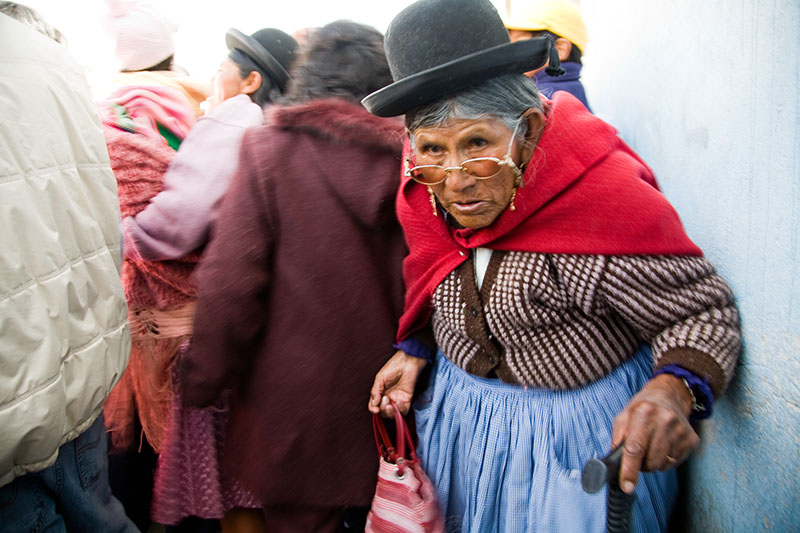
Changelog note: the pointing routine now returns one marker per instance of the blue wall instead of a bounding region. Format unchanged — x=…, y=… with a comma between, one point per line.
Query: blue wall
x=708, y=92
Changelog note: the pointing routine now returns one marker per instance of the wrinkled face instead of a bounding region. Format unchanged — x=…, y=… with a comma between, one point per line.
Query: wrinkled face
x=228, y=83
x=474, y=203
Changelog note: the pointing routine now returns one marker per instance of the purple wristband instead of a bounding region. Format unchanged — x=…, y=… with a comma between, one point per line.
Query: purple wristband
x=415, y=348
x=703, y=395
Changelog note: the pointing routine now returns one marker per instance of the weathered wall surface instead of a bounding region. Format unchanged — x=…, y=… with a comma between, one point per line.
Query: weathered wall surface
x=708, y=92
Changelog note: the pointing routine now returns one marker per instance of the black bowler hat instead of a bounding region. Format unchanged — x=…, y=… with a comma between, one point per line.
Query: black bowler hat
x=271, y=49
x=439, y=47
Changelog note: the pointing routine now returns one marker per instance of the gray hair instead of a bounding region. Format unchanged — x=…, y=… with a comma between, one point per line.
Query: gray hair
x=29, y=16
x=504, y=98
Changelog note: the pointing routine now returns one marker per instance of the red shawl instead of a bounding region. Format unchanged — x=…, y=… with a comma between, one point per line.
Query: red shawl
x=139, y=163
x=585, y=192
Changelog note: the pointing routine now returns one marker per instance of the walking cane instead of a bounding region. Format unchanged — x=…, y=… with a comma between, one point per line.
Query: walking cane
x=619, y=506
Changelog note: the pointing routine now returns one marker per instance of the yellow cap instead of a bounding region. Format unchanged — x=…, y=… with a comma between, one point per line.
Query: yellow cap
x=558, y=16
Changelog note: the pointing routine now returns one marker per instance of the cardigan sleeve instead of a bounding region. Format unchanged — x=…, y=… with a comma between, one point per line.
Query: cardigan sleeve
x=232, y=280
x=682, y=307
x=178, y=219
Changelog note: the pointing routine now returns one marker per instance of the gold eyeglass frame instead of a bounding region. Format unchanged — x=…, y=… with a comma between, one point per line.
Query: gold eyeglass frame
x=506, y=161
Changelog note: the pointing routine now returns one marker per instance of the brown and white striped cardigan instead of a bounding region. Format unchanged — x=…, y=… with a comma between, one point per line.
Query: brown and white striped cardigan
x=562, y=321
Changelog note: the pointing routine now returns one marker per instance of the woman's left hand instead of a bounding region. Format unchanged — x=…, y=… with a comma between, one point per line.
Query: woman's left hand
x=656, y=430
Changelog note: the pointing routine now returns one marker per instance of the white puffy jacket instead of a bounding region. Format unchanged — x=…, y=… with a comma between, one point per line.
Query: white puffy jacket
x=64, y=334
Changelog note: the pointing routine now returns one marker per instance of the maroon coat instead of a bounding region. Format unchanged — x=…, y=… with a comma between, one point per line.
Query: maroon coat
x=299, y=294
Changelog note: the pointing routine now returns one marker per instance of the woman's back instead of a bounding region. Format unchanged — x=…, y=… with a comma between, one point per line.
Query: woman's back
x=316, y=190
x=301, y=285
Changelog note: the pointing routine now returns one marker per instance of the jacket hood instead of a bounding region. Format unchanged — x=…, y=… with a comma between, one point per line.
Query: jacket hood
x=365, y=172
x=341, y=121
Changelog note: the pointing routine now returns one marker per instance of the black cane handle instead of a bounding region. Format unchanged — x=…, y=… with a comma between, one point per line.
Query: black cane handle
x=599, y=472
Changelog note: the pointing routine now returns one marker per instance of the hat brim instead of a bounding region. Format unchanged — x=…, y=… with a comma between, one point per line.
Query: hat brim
x=429, y=85
x=236, y=39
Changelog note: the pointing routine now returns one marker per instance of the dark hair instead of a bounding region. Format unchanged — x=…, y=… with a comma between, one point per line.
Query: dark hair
x=32, y=18
x=343, y=59
x=268, y=91
x=574, y=56
x=166, y=64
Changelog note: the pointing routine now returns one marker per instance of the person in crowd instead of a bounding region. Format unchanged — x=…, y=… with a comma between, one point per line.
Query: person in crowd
x=178, y=220
x=300, y=286
x=145, y=50
x=561, y=21
x=66, y=337
x=168, y=202
x=143, y=126
x=32, y=18
x=571, y=312
x=176, y=224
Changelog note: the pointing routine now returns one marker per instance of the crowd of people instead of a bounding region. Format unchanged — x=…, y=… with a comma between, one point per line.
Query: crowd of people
x=208, y=287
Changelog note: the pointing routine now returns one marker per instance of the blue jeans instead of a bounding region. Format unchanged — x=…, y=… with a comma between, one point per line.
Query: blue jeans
x=73, y=494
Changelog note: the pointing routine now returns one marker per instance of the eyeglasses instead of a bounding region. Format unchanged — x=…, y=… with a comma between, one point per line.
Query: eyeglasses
x=482, y=168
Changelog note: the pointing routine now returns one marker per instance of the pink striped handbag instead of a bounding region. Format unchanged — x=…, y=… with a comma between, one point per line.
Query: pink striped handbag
x=405, y=499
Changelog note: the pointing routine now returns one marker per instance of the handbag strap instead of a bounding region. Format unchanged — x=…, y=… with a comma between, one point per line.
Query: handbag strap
x=385, y=447
x=382, y=440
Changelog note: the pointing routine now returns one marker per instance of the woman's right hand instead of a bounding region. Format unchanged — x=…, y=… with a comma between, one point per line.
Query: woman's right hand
x=395, y=382
x=656, y=430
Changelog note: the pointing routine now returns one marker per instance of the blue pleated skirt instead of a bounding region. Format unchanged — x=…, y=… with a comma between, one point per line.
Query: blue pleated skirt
x=506, y=458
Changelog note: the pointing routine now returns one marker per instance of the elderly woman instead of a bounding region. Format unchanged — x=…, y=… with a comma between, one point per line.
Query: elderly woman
x=301, y=288
x=557, y=282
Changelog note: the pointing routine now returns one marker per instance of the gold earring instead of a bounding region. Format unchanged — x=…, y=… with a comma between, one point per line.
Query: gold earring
x=433, y=200
x=511, y=206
